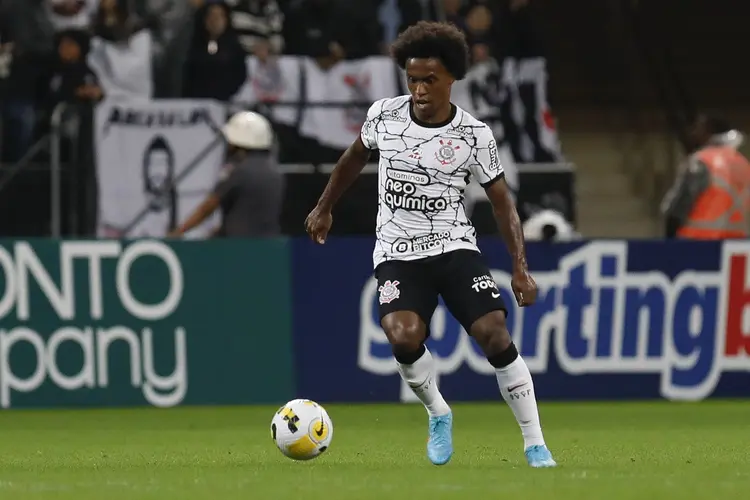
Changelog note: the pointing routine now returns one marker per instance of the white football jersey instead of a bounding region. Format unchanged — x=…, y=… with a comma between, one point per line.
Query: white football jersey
x=423, y=172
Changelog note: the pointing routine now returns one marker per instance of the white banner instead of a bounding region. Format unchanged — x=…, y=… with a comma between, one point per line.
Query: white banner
x=482, y=93
x=142, y=144
x=359, y=81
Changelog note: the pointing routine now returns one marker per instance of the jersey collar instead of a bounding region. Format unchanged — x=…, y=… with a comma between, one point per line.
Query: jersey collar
x=431, y=125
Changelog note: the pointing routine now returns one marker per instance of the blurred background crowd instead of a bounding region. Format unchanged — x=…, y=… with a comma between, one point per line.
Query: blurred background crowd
x=636, y=88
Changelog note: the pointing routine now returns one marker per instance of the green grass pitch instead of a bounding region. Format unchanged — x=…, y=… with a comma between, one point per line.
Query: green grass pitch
x=607, y=451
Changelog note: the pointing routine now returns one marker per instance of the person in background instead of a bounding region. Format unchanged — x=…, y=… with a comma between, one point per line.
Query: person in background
x=479, y=23
x=171, y=32
x=395, y=16
x=332, y=30
x=71, y=14
x=121, y=49
x=710, y=198
x=250, y=191
x=26, y=50
x=72, y=79
x=114, y=21
x=259, y=24
x=451, y=11
x=216, y=67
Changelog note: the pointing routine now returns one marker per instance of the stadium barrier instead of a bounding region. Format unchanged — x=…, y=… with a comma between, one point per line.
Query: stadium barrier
x=152, y=322
x=148, y=322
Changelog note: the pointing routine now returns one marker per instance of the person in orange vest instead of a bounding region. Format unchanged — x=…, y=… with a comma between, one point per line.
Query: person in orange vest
x=710, y=199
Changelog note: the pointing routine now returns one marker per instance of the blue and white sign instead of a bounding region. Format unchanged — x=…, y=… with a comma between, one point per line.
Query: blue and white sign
x=613, y=320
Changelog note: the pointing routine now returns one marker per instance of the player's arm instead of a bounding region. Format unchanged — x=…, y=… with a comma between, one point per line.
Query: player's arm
x=344, y=174
x=508, y=222
x=490, y=173
x=347, y=169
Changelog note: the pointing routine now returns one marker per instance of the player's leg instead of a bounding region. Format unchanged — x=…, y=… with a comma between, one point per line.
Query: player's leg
x=407, y=332
x=407, y=301
x=515, y=382
x=472, y=297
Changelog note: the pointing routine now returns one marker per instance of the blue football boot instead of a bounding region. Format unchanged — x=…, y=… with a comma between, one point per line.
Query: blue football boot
x=539, y=456
x=440, y=443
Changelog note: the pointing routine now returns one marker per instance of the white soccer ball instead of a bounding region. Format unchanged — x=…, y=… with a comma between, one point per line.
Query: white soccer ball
x=302, y=429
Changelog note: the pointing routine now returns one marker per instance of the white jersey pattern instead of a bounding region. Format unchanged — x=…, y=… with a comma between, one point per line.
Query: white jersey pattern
x=423, y=173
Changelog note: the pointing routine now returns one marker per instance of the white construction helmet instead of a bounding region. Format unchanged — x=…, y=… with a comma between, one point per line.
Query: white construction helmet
x=249, y=130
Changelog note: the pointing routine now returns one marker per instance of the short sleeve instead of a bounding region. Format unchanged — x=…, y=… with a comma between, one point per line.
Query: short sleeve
x=486, y=166
x=369, y=132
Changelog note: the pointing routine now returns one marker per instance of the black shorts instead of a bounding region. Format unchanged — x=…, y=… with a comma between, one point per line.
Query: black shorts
x=461, y=277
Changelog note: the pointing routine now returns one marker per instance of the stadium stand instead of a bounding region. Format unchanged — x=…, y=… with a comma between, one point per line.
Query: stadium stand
x=622, y=110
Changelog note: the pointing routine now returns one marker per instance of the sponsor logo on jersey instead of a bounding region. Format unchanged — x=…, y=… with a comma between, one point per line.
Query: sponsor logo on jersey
x=401, y=192
x=404, y=176
x=422, y=243
x=393, y=116
x=484, y=283
x=463, y=131
x=494, y=165
x=596, y=316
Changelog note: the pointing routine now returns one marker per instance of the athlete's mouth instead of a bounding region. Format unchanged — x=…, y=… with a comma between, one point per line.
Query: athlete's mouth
x=422, y=104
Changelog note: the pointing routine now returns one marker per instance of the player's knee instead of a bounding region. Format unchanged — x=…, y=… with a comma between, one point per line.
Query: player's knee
x=491, y=333
x=405, y=334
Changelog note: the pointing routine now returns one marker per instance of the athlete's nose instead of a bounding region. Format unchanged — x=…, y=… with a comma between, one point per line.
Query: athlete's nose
x=420, y=92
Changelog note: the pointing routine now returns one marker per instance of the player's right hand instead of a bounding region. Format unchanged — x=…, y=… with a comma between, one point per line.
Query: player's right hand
x=524, y=288
x=318, y=223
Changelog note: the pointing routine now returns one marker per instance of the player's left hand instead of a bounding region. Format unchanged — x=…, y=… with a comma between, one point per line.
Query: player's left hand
x=524, y=288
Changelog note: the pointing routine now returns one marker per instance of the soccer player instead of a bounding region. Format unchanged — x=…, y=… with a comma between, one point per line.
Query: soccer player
x=426, y=246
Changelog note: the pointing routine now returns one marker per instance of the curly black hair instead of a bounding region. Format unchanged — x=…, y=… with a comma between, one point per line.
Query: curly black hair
x=426, y=40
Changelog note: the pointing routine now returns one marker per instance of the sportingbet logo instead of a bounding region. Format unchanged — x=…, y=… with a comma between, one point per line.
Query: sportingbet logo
x=597, y=317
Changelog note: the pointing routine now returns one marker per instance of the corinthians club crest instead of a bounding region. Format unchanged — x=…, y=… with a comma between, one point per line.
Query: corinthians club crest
x=447, y=152
x=389, y=291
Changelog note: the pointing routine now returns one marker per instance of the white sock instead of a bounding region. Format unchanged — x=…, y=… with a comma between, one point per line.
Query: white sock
x=517, y=389
x=420, y=376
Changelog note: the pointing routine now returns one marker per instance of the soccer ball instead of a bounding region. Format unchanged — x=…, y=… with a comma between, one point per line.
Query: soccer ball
x=302, y=429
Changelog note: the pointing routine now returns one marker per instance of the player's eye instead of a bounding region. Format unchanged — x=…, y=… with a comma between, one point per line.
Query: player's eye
x=428, y=81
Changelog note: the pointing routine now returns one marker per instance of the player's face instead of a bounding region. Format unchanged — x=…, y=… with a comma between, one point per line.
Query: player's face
x=430, y=87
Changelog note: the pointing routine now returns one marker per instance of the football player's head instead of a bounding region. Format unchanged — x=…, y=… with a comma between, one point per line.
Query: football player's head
x=434, y=56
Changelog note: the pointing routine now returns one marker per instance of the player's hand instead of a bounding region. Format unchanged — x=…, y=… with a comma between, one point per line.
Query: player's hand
x=524, y=288
x=318, y=223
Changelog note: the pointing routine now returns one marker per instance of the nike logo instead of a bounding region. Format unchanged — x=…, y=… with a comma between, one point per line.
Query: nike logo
x=513, y=388
x=322, y=429
x=495, y=295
